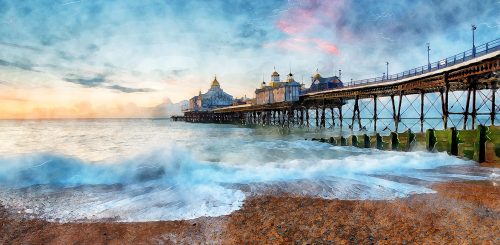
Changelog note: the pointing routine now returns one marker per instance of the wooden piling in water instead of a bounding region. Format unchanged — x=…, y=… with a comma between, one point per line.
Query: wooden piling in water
x=452, y=141
x=354, y=140
x=492, y=145
x=394, y=141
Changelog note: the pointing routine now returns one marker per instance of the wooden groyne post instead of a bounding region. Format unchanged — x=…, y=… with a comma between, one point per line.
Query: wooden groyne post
x=481, y=144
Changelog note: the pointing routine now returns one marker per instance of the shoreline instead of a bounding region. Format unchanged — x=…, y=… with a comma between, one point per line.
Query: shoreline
x=465, y=212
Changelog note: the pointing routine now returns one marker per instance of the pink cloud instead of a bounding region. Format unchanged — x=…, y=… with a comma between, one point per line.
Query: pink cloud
x=302, y=44
x=326, y=46
x=287, y=27
x=311, y=15
x=297, y=21
x=306, y=21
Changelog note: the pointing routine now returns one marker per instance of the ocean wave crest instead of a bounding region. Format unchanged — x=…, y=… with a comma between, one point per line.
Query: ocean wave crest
x=170, y=183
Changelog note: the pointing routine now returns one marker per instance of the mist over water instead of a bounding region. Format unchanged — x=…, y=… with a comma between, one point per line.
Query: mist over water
x=140, y=170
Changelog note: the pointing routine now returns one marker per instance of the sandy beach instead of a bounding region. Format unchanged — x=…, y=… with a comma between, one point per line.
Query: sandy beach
x=460, y=212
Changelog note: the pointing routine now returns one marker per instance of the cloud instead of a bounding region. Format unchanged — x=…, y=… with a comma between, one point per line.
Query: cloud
x=96, y=81
x=167, y=108
x=178, y=72
x=326, y=46
x=367, y=33
x=303, y=24
x=101, y=81
x=7, y=84
x=130, y=90
x=14, y=45
x=366, y=21
x=20, y=65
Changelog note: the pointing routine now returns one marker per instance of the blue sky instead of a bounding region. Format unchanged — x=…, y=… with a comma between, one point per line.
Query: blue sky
x=109, y=55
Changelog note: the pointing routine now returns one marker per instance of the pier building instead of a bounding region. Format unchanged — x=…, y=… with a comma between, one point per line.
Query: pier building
x=278, y=91
x=319, y=83
x=214, y=98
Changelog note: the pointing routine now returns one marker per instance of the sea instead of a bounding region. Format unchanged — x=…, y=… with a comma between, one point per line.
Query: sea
x=138, y=170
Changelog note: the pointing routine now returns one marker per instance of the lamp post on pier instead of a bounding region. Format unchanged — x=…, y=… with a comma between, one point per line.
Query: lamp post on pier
x=387, y=70
x=473, y=41
x=428, y=56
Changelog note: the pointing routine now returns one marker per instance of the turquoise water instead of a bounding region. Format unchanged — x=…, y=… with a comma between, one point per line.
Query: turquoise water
x=141, y=170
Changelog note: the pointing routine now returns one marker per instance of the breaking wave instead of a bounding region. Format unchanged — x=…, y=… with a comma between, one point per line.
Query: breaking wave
x=170, y=183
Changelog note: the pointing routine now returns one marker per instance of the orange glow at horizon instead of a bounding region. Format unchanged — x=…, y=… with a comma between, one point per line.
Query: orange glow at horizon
x=75, y=103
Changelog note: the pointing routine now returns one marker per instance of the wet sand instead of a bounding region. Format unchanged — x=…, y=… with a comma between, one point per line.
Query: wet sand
x=460, y=212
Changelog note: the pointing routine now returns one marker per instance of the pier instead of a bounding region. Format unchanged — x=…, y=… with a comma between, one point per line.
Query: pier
x=459, y=92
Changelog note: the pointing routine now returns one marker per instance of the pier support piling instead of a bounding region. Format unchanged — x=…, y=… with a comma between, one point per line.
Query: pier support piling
x=493, y=105
x=474, y=108
x=375, y=113
x=466, y=113
x=422, y=99
x=398, y=119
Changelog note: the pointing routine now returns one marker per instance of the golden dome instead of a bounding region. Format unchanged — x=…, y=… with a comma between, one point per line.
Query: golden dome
x=275, y=74
x=215, y=83
x=317, y=75
x=263, y=85
x=289, y=79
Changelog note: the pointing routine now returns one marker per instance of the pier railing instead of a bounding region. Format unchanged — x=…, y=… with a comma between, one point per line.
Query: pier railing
x=464, y=56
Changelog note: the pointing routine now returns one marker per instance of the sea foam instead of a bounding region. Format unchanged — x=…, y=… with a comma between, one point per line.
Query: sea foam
x=171, y=183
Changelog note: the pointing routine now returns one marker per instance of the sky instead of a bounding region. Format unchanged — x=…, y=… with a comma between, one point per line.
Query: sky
x=110, y=58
